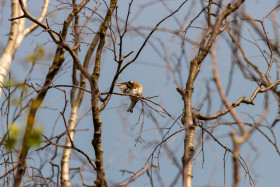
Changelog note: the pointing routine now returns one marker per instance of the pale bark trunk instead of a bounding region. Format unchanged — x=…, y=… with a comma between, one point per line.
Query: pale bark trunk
x=188, y=156
x=16, y=36
x=67, y=152
x=187, y=118
x=188, y=122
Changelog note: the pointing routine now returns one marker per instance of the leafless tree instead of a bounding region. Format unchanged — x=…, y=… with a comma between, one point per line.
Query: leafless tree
x=202, y=32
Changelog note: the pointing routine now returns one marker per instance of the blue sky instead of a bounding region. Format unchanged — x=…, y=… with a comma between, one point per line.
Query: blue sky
x=120, y=131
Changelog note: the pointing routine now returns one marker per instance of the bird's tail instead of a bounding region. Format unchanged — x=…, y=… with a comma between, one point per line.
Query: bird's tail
x=132, y=104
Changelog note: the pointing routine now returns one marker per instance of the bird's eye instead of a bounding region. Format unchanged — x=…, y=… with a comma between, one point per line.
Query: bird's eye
x=129, y=84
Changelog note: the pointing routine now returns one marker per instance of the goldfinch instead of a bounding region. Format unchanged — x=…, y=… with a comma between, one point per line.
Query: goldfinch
x=132, y=88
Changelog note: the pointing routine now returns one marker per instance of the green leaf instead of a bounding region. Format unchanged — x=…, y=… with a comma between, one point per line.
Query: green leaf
x=35, y=137
x=11, y=140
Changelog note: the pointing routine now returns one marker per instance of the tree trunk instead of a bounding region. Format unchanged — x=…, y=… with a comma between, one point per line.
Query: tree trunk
x=15, y=37
x=68, y=143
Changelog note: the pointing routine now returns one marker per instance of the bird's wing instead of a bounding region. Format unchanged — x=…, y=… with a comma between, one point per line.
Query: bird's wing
x=122, y=86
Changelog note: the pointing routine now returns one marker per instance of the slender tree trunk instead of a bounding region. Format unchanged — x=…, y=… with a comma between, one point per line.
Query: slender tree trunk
x=100, y=180
x=236, y=165
x=68, y=143
x=188, y=122
x=17, y=33
x=35, y=104
x=15, y=36
x=188, y=119
x=97, y=136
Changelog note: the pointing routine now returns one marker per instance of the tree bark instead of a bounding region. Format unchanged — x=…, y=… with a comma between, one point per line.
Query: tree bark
x=188, y=122
x=16, y=36
x=97, y=136
x=68, y=143
x=35, y=104
x=187, y=118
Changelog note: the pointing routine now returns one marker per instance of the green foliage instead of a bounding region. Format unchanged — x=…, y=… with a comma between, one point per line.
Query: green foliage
x=15, y=134
x=12, y=137
x=10, y=82
x=35, y=137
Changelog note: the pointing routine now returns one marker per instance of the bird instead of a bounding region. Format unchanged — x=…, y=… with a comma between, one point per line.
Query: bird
x=132, y=88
